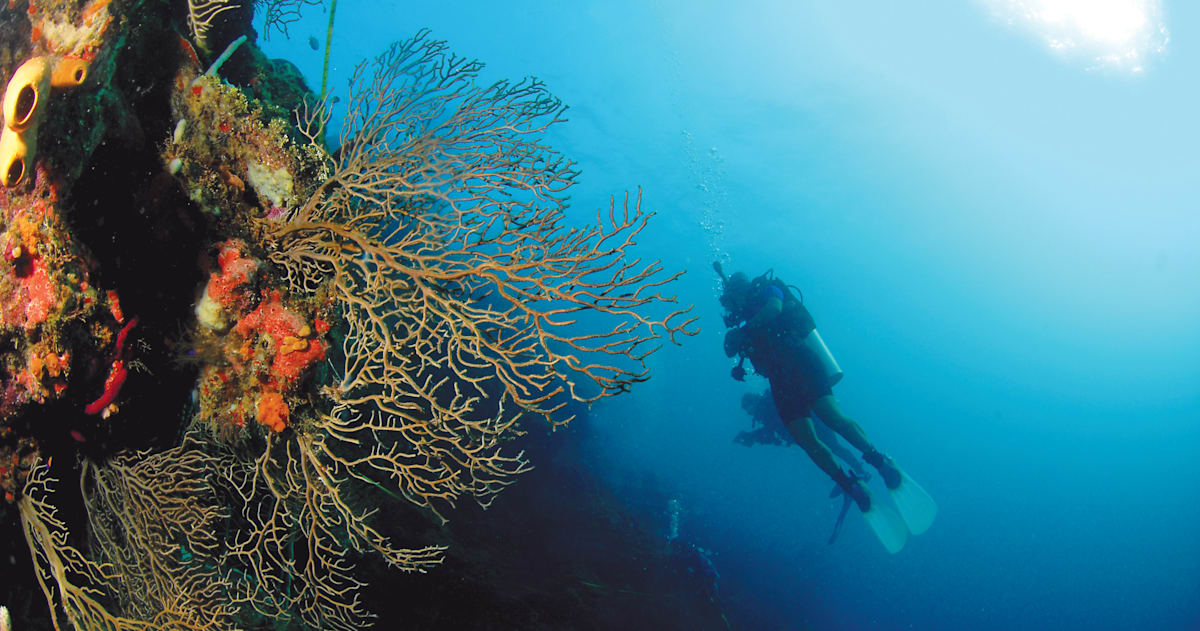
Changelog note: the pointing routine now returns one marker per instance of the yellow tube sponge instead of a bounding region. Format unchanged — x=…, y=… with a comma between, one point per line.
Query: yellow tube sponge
x=17, y=151
x=25, y=101
x=69, y=72
x=27, y=94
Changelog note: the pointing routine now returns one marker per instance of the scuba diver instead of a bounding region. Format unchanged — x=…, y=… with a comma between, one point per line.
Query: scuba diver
x=769, y=325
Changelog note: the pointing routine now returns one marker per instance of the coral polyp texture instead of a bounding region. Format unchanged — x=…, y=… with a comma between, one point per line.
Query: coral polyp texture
x=376, y=319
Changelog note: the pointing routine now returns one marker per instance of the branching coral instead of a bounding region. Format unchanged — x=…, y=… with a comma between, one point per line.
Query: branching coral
x=469, y=302
x=156, y=552
x=69, y=578
x=156, y=521
x=461, y=300
x=300, y=531
x=278, y=14
x=203, y=14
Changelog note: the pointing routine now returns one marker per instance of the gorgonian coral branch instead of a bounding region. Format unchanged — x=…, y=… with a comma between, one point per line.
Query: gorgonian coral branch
x=156, y=520
x=202, y=16
x=72, y=583
x=469, y=300
x=290, y=552
x=278, y=14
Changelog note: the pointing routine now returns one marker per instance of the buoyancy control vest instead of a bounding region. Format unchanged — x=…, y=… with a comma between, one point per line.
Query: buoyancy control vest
x=770, y=348
x=794, y=319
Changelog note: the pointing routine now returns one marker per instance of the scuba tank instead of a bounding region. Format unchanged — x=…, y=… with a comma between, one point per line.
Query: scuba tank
x=814, y=343
x=833, y=372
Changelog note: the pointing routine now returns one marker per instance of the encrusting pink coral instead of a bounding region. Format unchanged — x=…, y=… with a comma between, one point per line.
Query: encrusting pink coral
x=237, y=270
x=39, y=294
x=289, y=333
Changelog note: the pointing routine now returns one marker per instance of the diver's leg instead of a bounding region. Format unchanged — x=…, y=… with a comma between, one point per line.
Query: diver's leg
x=806, y=436
x=802, y=430
x=827, y=409
x=830, y=438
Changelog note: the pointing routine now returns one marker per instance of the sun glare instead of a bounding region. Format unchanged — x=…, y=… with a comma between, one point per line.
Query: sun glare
x=1117, y=34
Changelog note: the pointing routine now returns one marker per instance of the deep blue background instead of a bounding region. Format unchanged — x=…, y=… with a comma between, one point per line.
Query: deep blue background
x=998, y=243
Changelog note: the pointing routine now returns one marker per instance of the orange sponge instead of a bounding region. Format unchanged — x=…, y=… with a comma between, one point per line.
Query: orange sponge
x=273, y=411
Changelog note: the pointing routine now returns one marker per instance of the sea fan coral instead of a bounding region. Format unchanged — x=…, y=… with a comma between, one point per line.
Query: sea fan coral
x=378, y=320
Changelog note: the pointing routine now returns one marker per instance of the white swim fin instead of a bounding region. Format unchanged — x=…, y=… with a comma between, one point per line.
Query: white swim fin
x=888, y=527
x=916, y=506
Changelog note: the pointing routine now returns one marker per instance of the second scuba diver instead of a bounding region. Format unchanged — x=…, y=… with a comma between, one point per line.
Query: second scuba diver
x=769, y=325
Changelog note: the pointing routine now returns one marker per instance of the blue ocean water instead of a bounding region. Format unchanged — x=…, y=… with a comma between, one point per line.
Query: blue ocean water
x=997, y=242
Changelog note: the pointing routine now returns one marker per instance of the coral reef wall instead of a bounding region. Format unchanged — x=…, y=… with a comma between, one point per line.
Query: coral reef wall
x=231, y=334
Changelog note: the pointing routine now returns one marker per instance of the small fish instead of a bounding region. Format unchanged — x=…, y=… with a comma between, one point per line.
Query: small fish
x=313, y=43
x=78, y=436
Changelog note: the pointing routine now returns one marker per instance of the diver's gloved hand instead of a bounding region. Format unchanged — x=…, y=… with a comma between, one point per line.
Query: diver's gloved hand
x=738, y=373
x=730, y=320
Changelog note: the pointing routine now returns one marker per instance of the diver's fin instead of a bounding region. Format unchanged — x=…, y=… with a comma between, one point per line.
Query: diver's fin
x=916, y=506
x=889, y=527
x=837, y=526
